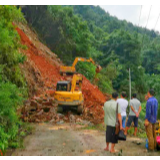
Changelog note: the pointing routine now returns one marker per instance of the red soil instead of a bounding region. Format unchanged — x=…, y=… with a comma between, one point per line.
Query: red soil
x=93, y=97
x=49, y=72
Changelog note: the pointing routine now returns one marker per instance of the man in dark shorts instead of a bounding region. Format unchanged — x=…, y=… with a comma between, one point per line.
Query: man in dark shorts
x=135, y=109
x=110, y=122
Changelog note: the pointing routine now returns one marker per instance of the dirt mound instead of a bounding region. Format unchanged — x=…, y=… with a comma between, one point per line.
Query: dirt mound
x=48, y=71
x=42, y=73
x=94, y=100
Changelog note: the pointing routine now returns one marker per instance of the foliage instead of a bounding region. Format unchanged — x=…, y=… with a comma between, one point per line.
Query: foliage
x=9, y=45
x=12, y=83
x=65, y=33
x=87, y=69
x=9, y=100
x=122, y=47
x=117, y=45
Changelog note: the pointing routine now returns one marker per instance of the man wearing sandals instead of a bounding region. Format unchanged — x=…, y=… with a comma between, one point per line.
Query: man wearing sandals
x=110, y=122
x=135, y=109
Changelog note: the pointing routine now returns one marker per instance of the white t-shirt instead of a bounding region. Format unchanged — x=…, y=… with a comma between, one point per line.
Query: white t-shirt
x=123, y=103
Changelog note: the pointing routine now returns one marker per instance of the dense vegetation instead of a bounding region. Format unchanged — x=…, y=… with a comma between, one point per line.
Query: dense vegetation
x=12, y=84
x=71, y=31
x=88, y=31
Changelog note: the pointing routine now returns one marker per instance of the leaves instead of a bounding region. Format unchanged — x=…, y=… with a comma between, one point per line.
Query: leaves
x=10, y=75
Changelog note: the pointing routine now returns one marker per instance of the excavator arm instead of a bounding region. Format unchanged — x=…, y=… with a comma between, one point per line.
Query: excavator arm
x=76, y=79
x=71, y=69
x=83, y=60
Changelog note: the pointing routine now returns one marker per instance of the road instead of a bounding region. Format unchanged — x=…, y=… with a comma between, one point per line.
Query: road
x=66, y=140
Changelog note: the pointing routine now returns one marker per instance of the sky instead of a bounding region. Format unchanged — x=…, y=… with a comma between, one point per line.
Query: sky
x=131, y=13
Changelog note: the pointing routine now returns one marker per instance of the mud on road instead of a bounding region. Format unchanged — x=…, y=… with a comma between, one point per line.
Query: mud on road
x=67, y=140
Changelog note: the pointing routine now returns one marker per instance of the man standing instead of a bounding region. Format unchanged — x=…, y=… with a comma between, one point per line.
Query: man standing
x=151, y=118
x=110, y=122
x=135, y=109
x=123, y=103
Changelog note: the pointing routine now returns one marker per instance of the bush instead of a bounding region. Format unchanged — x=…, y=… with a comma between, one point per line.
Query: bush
x=9, y=100
x=10, y=44
x=12, y=83
x=87, y=69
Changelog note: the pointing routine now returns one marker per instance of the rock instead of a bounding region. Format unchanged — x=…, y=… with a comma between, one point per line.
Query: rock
x=37, y=120
x=52, y=110
x=33, y=103
x=26, y=102
x=78, y=120
x=47, y=103
x=52, y=121
x=60, y=115
x=72, y=118
x=60, y=122
x=40, y=112
x=39, y=100
x=65, y=119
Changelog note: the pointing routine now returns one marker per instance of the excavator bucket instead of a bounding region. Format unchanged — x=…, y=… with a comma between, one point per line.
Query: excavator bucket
x=98, y=69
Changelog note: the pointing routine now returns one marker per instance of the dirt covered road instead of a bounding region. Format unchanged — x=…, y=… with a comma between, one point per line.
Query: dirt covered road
x=66, y=140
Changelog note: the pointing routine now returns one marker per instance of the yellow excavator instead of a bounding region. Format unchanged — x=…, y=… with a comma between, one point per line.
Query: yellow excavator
x=68, y=94
x=71, y=69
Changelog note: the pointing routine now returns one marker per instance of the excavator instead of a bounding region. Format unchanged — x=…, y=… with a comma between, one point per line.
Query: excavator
x=71, y=69
x=69, y=95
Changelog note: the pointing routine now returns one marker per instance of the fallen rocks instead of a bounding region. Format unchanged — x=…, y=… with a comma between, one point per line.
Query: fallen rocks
x=42, y=74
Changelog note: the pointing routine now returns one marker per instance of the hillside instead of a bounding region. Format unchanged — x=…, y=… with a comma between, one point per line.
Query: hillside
x=29, y=72
x=98, y=16
x=88, y=31
x=41, y=71
x=36, y=40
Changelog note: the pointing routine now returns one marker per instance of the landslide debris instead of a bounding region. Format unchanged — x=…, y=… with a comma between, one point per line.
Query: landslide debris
x=42, y=73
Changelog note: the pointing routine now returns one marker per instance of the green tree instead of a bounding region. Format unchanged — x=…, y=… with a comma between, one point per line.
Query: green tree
x=12, y=83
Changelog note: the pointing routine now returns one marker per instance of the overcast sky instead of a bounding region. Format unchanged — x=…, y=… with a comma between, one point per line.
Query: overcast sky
x=131, y=13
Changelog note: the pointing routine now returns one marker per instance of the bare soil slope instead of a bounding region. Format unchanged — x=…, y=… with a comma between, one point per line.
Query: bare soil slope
x=42, y=73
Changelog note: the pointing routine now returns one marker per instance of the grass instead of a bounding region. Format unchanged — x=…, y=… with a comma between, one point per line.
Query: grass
x=143, y=111
x=99, y=127
x=140, y=134
x=17, y=142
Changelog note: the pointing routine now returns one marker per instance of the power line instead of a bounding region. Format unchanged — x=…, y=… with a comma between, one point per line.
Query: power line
x=140, y=15
x=139, y=19
x=156, y=21
x=155, y=27
x=146, y=24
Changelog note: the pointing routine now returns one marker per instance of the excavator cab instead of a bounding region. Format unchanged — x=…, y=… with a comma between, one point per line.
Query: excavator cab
x=63, y=86
x=68, y=95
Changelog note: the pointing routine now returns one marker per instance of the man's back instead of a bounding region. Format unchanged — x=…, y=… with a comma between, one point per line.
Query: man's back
x=151, y=109
x=135, y=103
x=123, y=104
x=110, y=112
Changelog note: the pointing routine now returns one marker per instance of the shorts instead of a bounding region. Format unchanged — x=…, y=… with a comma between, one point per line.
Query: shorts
x=124, y=121
x=132, y=119
x=110, y=135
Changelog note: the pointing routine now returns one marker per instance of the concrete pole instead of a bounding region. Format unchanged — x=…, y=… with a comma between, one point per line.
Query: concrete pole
x=129, y=84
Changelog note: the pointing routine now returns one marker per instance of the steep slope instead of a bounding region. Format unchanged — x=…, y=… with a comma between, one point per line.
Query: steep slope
x=45, y=73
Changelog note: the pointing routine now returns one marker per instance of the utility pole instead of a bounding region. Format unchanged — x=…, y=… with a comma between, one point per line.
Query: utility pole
x=129, y=84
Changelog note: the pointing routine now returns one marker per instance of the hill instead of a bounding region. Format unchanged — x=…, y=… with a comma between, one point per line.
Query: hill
x=99, y=17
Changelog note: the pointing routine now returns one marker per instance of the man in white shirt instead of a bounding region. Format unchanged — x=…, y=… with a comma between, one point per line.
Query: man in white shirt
x=123, y=103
